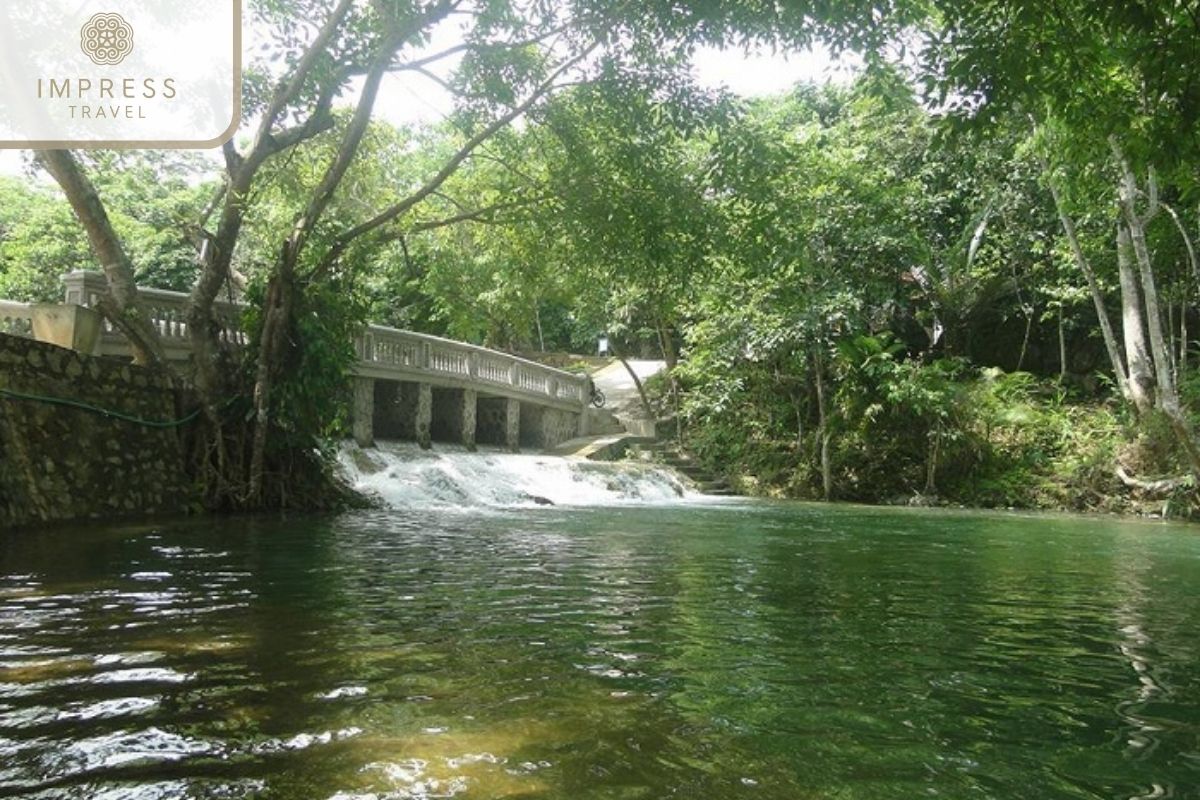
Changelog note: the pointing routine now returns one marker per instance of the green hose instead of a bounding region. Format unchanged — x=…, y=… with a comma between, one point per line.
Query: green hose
x=104, y=412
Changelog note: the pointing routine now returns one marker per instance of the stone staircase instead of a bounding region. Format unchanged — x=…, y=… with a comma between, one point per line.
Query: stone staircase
x=621, y=430
x=672, y=455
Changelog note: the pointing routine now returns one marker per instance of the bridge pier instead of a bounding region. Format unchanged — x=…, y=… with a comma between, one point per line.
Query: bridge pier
x=542, y=427
x=470, y=400
x=424, y=421
x=512, y=424
x=364, y=412
x=498, y=422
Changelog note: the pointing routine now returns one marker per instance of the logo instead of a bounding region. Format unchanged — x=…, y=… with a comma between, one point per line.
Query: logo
x=106, y=39
x=127, y=77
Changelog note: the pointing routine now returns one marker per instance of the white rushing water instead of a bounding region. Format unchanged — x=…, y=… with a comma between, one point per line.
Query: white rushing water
x=404, y=476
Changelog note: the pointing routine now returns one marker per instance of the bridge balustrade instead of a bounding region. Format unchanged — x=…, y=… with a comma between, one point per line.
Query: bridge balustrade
x=384, y=353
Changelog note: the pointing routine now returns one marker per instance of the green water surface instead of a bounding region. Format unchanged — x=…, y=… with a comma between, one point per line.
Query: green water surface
x=738, y=651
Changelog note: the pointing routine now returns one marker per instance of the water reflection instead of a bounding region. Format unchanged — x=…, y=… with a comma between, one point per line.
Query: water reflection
x=766, y=652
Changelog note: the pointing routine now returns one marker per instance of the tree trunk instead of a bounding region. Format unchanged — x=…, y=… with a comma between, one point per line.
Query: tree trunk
x=1171, y=337
x=798, y=405
x=823, y=434
x=1183, y=305
x=637, y=382
x=1133, y=326
x=1183, y=336
x=1062, y=348
x=1136, y=225
x=120, y=307
x=204, y=329
x=667, y=346
x=277, y=310
x=931, y=461
x=1110, y=340
x=1025, y=340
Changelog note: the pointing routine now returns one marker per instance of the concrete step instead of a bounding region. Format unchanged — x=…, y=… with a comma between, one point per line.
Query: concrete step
x=608, y=447
x=714, y=482
x=670, y=454
x=602, y=422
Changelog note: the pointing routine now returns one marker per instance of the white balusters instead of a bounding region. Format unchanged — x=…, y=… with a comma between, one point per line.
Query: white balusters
x=16, y=318
x=409, y=355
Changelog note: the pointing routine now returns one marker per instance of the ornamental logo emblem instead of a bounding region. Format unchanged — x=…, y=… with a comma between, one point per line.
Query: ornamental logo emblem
x=106, y=39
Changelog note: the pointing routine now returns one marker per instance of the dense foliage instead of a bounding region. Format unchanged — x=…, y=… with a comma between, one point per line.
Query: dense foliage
x=969, y=276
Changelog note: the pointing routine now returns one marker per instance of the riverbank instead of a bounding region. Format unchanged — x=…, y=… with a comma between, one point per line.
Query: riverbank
x=1000, y=440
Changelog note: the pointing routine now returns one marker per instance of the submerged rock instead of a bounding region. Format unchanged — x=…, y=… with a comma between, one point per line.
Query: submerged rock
x=364, y=463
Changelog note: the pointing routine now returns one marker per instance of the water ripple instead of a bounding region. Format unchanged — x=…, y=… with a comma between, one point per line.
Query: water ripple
x=731, y=652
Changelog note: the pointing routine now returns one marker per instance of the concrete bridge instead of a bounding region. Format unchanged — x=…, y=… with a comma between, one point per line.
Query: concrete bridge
x=406, y=385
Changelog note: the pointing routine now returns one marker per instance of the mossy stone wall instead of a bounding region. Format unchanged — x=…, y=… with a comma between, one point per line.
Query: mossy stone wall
x=62, y=463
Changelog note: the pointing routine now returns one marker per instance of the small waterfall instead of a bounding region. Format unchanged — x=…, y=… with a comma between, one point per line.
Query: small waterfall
x=404, y=476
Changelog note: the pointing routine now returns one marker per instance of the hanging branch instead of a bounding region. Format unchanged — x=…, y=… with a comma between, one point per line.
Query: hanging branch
x=1187, y=242
x=343, y=240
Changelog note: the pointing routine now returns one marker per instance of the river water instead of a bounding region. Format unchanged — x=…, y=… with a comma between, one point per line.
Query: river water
x=673, y=649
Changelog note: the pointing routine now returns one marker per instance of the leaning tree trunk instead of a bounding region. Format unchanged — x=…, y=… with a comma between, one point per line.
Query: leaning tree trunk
x=120, y=306
x=637, y=382
x=1106, y=330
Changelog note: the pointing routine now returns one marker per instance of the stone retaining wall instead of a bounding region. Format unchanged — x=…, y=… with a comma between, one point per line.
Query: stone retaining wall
x=61, y=463
x=543, y=428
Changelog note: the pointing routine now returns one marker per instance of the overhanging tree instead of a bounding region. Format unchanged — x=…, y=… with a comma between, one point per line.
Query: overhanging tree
x=514, y=54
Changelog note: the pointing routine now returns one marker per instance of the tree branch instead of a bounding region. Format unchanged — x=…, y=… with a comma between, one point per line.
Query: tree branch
x=1187, y=241
x=425, y=61
x=435, y=78
x=430, y=59
x=451, y=166
x=288, y=90
x=486, y=214
x=323, y=195
x=1155, y=487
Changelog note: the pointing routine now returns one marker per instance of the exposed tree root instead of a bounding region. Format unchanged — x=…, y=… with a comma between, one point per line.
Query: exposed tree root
x=1159, y=486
